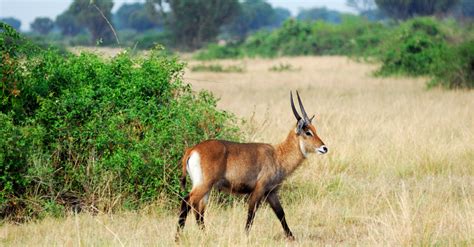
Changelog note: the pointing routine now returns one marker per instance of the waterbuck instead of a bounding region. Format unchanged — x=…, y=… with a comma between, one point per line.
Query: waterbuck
x=257, y=169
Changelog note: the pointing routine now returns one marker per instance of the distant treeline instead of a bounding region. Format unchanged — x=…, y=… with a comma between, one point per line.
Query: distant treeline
x=422, y=46
x=191, y=24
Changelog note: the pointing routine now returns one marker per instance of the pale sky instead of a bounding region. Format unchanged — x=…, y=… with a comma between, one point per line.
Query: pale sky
x=28, y=10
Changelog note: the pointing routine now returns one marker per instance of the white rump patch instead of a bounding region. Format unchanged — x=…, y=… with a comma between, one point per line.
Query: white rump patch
x=302, y=148
x=194, y=168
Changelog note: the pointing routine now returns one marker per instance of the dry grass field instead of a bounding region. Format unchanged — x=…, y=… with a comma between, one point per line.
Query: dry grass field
x=400, y=167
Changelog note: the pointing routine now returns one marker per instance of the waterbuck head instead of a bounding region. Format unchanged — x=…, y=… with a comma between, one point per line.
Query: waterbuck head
x=309, y=140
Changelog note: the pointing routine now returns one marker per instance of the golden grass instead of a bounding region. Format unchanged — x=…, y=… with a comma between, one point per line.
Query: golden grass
x=400, y=167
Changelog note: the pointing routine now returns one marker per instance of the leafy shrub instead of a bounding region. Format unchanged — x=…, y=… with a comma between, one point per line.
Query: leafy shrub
x=214, y=51
x=143, y=40
x=13, y=149
x=82, y=132
x=261, y=44
x=457, y=67
x=150, y=39
x=426, y=46
x=414, y=48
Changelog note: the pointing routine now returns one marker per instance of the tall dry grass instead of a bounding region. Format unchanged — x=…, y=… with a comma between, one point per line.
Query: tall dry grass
x=400, y=167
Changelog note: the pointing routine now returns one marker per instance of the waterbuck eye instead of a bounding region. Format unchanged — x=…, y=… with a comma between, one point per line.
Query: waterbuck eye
x=308, y=133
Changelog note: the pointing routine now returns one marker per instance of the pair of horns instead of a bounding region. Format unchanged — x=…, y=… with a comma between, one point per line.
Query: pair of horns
x=295, y=112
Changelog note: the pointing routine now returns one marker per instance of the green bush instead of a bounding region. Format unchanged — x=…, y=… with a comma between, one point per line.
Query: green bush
x=150, y=39
x=415, y=48
x=457, y=67
x=214, y=51
x=430, y=47
x=261, y=44
x=82, y=132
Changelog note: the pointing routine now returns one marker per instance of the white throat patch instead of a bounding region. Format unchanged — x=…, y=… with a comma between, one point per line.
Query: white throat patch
x=302, y=148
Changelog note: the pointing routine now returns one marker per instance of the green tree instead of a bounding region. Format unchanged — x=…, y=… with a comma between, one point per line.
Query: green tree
x=254, y=15
x=467, y=8
x=367, y=9
x=319, y=14
x=193, y=23
x=135, y=16
x=281, y=15
x=67, y=23
x=404, y=9
x=361, y=5
x=42, y=25
x=95, y=16
x=15, y=23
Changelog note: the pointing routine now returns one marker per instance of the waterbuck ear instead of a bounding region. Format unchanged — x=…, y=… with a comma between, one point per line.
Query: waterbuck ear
x=300, y=126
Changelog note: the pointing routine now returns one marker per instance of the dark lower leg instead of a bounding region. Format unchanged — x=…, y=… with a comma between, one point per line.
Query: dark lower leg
x=250, y=217
x=254, y=203
x=274, y=202
x=185, y=207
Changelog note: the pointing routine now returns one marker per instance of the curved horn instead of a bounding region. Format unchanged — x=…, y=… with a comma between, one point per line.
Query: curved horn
x=302, y=108
x=295, y=112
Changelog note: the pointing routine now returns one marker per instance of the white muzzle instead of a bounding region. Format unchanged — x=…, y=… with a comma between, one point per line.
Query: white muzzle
x=322, y=150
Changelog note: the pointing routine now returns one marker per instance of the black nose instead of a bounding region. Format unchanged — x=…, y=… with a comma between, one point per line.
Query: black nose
x=325, y=149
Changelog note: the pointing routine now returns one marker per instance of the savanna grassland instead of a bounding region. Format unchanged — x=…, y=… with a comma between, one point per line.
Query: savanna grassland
x=400, y=167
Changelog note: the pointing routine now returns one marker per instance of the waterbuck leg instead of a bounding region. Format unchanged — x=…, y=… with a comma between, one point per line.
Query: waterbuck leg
x=185, y=207
x=196, y=199
x=274, y=202
x=191, y=201
x=254, y=203
x=199, y=213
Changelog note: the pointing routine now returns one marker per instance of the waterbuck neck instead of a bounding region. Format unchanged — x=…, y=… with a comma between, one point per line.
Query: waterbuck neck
x=289, y=154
